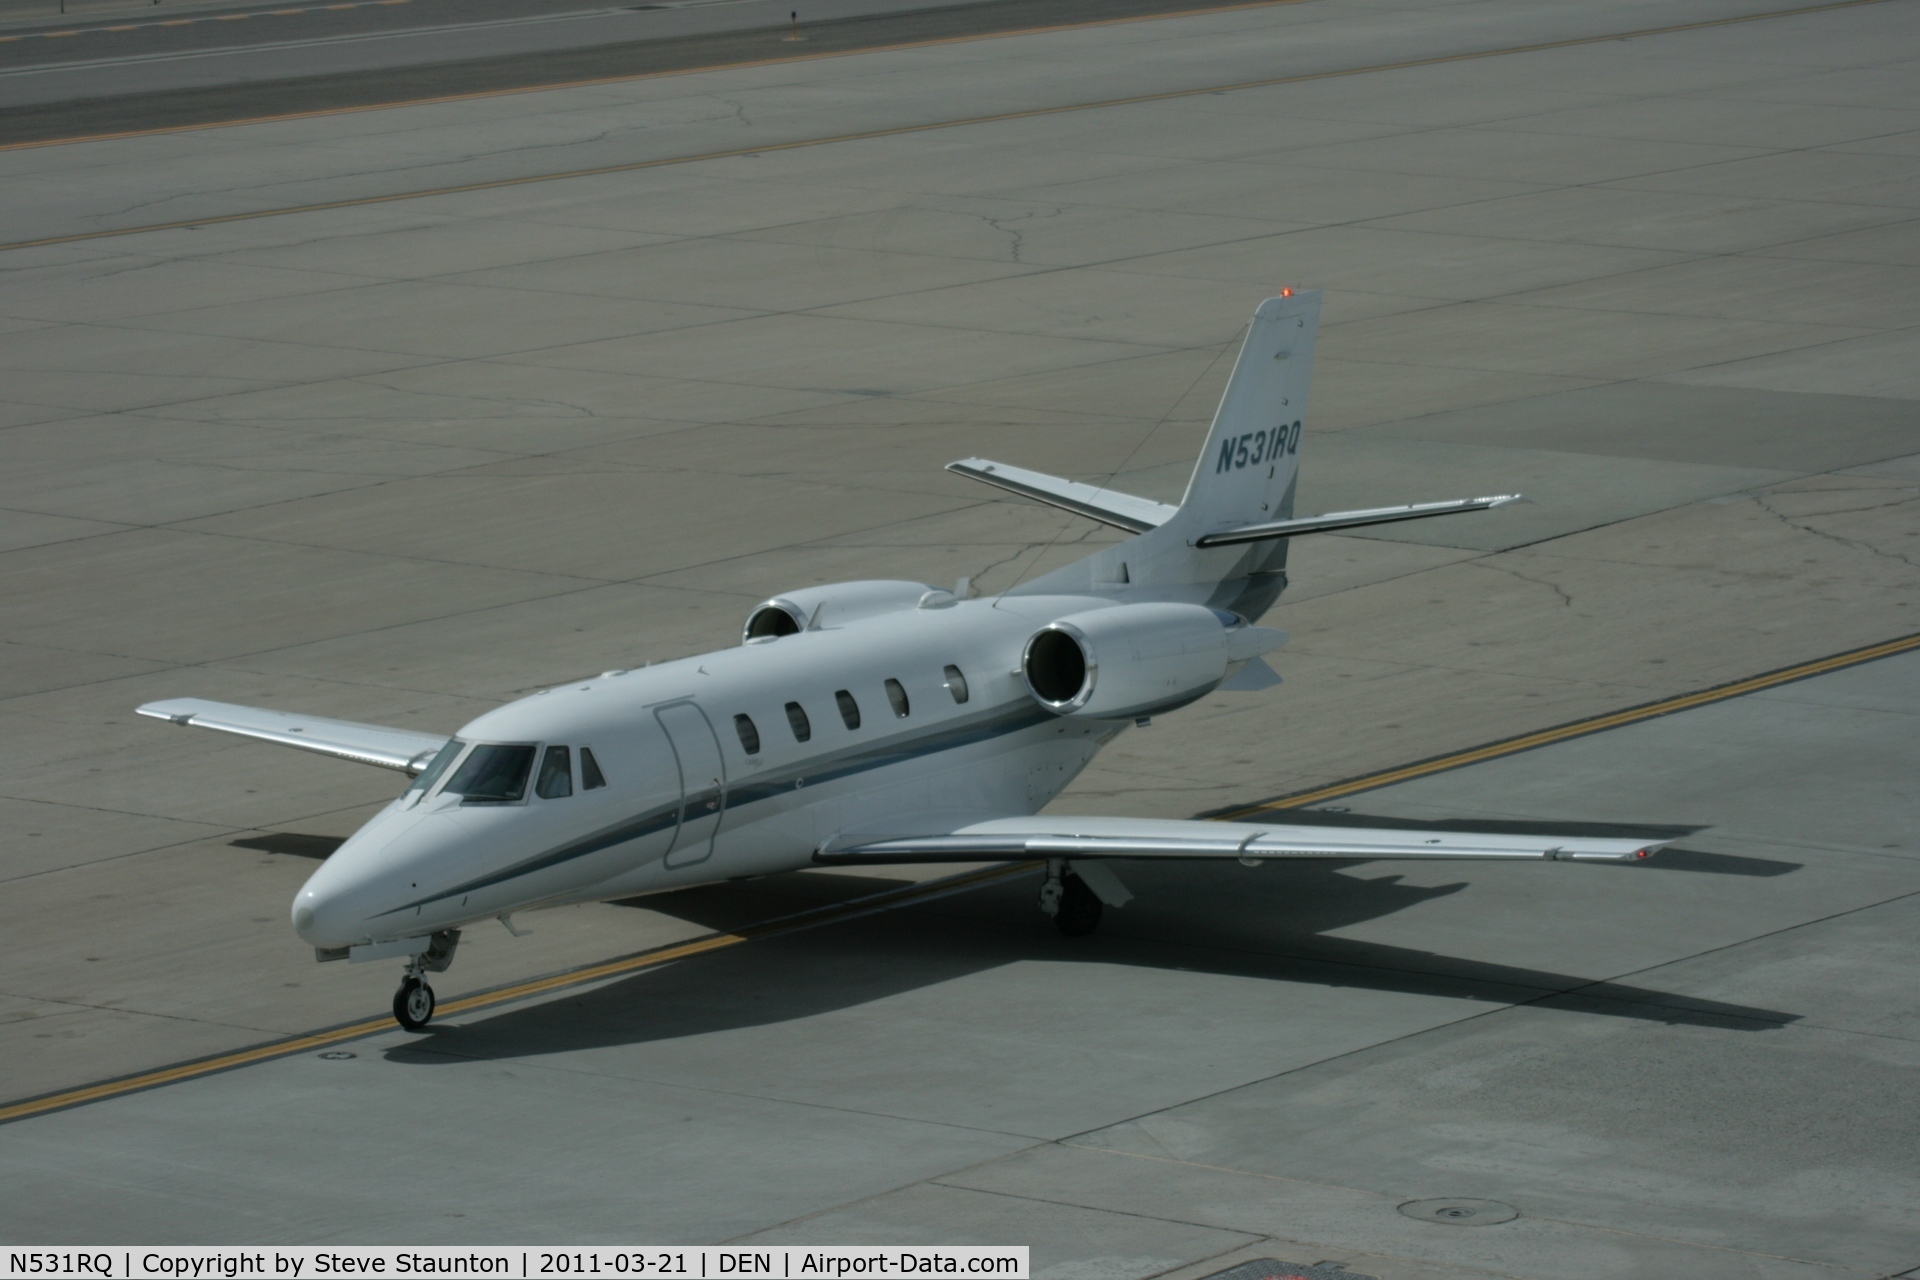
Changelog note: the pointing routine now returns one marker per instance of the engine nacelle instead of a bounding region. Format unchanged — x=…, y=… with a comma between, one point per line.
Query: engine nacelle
x=1137, y=659
x=833, y=605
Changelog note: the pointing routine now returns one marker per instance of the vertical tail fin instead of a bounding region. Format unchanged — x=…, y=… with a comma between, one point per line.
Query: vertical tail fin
x=1245, y=475
x=1247, y=467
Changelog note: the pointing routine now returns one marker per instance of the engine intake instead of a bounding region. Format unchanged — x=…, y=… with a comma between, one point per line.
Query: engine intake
x=833, y=605
x=1137, y=659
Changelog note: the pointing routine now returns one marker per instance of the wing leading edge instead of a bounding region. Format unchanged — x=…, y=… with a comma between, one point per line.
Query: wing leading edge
x=372, y=744
x=1012, y=839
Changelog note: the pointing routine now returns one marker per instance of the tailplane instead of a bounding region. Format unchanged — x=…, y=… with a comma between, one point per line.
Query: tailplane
x=1225, y=545
x=1245, y=475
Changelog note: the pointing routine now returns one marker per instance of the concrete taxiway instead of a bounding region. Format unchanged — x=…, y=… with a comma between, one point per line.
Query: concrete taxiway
x=313, y=439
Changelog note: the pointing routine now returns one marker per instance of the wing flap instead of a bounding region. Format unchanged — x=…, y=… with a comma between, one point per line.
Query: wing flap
x=372, y=744
x=1069, y=837
x=1108, y=506
x=1335, y=520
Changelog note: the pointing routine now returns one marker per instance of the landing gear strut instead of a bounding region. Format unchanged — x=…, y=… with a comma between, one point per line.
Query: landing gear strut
x=413, y=1002
x=1064, y=896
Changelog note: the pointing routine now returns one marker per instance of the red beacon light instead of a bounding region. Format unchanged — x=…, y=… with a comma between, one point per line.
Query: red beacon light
x=1286, y=291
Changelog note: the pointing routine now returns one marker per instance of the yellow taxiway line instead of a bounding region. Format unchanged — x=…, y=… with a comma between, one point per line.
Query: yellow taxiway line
x=769, y=148
x=870, y=904
x=1577, y=728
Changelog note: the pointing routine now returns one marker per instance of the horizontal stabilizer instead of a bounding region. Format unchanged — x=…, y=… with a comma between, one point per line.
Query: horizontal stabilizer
x=1334, y=520
x=343, y=739
x=1012, y=839
x=1108, y=506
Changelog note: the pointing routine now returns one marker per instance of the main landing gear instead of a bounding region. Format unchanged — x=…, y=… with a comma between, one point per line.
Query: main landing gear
x=1064, y=896
x=413, y=1002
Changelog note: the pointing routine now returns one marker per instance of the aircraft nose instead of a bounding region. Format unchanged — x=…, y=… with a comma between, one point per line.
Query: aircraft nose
x=332, y=908
x=324, y=918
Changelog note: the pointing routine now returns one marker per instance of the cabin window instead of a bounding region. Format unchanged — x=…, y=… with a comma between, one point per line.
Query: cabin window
x=438, y=765
x=797, y=718
x=849, y=709
x=749, y=736
x=956, y=683
x=556, y=774
x=590, y=775
x=493, y=774
x=897, y=695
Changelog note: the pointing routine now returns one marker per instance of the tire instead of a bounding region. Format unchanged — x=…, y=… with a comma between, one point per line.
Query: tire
x=413, y=1004
x=1079, y=913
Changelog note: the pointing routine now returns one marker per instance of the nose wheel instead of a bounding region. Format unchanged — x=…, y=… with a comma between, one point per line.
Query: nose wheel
x=413, y=1003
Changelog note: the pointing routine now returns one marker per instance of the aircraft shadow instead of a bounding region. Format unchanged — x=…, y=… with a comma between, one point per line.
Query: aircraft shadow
x=1271, y=923
x=319, y=848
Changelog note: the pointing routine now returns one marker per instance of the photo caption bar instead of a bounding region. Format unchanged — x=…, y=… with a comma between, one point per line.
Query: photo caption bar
x=520, y=1262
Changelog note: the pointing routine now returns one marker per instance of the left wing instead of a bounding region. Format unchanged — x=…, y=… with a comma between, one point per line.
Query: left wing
x=1008, y=839
x=343, y=739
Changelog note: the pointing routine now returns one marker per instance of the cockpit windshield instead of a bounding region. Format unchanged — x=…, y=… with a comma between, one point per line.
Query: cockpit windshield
x=436, y=766
x=493, y=773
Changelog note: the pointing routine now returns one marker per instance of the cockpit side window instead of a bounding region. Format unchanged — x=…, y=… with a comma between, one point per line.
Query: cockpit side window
x=437, y=766
x=590, y=775
x=493, y=773
x=556, y=774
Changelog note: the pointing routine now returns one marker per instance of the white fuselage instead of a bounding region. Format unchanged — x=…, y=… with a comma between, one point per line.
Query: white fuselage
x=685, y=801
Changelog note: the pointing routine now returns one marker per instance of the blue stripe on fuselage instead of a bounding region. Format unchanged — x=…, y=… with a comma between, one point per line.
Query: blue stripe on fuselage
x=764, y=787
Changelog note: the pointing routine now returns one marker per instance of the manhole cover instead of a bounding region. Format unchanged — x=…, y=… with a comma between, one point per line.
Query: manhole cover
x=337, y=1055
x=1274, y=1269
x=1460, y=1213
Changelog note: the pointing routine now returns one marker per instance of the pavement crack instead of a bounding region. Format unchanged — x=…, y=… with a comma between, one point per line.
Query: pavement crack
x=1017, y=238
x=1802, y=524
x=1566, y=600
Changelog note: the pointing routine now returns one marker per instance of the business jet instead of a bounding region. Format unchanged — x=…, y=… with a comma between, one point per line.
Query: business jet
x=870, y=722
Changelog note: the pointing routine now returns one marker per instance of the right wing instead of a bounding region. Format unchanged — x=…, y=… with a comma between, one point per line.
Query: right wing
x=1108, y=506
x=1009, y=839
x=374, y=744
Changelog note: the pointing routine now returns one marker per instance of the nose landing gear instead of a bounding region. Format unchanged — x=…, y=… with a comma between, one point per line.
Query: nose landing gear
x=413, y=1002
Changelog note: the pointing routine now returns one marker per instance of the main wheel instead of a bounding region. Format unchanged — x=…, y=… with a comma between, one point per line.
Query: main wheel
x=413, y=1004
x=1079, y=912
